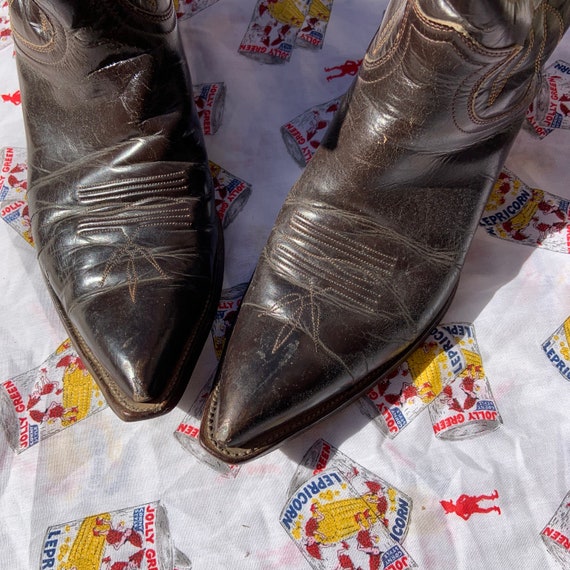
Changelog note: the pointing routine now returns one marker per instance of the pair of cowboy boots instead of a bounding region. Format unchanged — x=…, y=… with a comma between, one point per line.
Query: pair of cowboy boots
x=365, y=254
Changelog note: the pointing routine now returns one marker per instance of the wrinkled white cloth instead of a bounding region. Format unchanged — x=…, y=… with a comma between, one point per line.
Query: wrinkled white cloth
x=514, y=295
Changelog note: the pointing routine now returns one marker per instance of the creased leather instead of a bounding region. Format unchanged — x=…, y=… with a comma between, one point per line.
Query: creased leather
x=367, y=250
x=120, y=194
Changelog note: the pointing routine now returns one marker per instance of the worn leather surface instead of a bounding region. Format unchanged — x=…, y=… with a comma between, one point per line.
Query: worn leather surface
x=367, y=250
x=120, y=194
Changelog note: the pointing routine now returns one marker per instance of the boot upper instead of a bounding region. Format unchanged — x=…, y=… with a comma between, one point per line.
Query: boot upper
x=367, y=250
x=120, y=193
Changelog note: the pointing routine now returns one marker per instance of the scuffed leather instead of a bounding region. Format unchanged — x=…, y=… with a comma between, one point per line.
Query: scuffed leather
x=366, y=252
x=120, y=193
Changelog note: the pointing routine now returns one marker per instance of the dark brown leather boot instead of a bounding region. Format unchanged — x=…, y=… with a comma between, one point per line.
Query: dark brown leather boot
x=365, y=254
x=119, y=192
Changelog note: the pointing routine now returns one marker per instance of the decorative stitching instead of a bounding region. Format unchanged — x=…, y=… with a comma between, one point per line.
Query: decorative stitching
x=365, y=254
x=45, y=22
x=306, y=420
x=345, y=268
x=303, y=301
x=361, y=301
x=524, y=100
x=146, y=410
x=473, y=45
x=128, y=188
x=151, y=188
x=129, y=250
x=385, y=34
x=139, y=214
x=498, y=86
x=134, y=180
x=558, y=16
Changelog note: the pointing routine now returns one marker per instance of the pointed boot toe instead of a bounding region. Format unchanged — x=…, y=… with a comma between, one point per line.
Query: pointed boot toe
x=144, y=366
x=298, y=354
x=366, y=253
x=120, y=193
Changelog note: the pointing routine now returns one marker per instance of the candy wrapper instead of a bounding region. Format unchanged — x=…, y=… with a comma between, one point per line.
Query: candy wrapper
x=557, y=349
x=406, y=392
x=210, y=100
x=273, y=30
x=303, y=134
x=552, y=103
x=232, y=194
x=551, y=107
x=226, y=316
x=392, y=506
x=531, y=125
x=516, y=212
x=13, y=188
x=188, y=431
x=312, y=32
x=466, y=407
x=47, y=399
x=13, y=178
x=556, y=534
x=188, y=8
x=16, y=215
x=132, y=538
x=335, y=526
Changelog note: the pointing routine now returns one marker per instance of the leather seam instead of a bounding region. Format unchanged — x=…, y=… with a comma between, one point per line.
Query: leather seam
x=537, y=65
x=500, y=82
x=43, y=48
x=473, y=44
x=361, y=250
x=180, y=224
x=397, y=40
x=365, y=307
x=156, y=177
x=132, y=191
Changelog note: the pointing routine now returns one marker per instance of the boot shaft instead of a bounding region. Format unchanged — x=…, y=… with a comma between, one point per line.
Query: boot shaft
x=37, y=23
x=482, y=62
x=95, y=74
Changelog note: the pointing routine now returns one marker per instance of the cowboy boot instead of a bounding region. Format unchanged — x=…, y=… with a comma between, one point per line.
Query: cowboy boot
x=366, y=252
x=120, y=194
